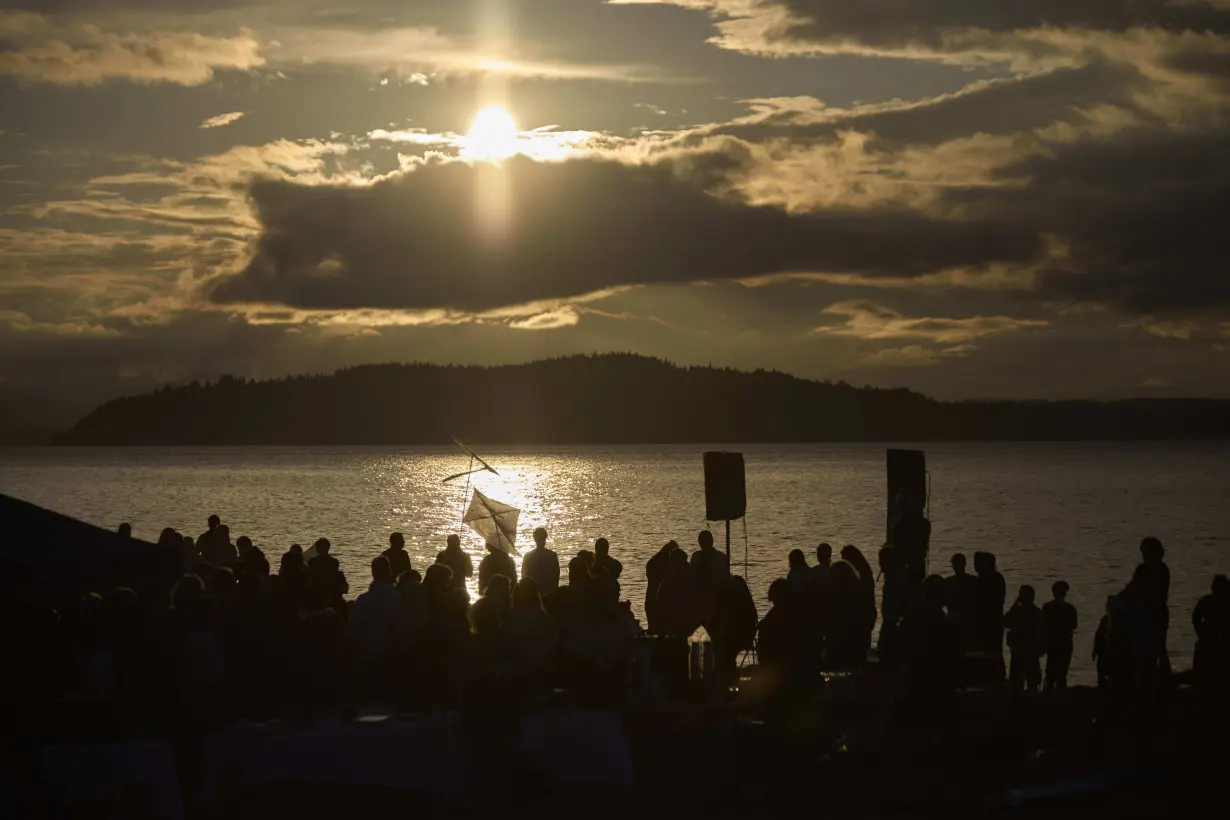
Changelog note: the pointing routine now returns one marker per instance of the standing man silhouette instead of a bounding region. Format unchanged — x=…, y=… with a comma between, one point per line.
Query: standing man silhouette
x=542, y=564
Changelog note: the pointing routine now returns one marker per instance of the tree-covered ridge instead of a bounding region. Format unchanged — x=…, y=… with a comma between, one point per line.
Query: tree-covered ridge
x=605, y=399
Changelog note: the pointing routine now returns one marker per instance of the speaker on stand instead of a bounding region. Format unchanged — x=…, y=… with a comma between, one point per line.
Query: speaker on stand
x=725, y=490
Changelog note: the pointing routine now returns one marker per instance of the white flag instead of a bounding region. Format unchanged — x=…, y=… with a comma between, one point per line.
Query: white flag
x=494, y=521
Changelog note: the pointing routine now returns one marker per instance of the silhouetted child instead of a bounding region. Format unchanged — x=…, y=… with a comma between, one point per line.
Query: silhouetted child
x=1060, y=619
x=1027, y=640
x=1101, y=646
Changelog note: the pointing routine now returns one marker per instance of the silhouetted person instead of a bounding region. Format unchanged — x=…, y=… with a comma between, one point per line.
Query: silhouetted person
x=710, y=565
x=490, y=673
x=597, y=646
x=323, y=569
x=293, y=557
x=530, y=633
x=203, y=540
x=1060, y=619
x=541, y=564
x=568, y=600
x=254, y=563
x=656, y=569
x=799, y=576
x=603, y=560
x=189, y=552
x=125, y=530
x=168, y=537
x=930, y=648
x=1027, y=640
x=779, y=644
x=436, y=678
x=413, y=610
x=911, y=535
x=824, y=559
x=989, y=612
x=458, y=560
x=867, y=582
x=218, y=549
x=495, y=562
x=398, y=558
x=324, y=651
x=1211, y=620
x=847, y=619
x=1134, y=643
x=1101, y=645
x=892, y=597
x=438, y=581
x=372, y=621
x=200, y=665
x=732, y=627
x=680, y=603
x=581, y=571
x=961, y=592
x=1155, y=589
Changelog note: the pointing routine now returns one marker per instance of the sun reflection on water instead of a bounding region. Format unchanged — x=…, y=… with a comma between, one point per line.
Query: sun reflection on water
x=540, y=491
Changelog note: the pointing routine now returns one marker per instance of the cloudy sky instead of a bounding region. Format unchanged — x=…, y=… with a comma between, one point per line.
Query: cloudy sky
x=971, y=198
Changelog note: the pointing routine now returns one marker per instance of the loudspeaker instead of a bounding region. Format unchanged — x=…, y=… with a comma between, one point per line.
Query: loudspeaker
x=725, y=490
x=907, y=471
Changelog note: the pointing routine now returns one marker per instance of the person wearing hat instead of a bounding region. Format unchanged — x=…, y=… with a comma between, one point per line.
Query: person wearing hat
x=1060, y=617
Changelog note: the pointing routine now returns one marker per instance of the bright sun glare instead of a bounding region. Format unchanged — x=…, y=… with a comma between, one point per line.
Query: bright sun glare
x=493, y=134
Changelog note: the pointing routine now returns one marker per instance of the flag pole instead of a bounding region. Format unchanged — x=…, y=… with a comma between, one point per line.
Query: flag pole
x=466, y=495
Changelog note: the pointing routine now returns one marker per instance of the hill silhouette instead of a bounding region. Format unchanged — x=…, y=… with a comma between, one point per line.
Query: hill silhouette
x=607, y=399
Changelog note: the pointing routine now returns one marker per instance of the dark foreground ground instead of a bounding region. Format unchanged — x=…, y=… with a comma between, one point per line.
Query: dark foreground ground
x=994, y=755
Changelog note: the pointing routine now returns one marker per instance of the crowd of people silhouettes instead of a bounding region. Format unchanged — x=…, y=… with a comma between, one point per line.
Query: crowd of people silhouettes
x=234, y=638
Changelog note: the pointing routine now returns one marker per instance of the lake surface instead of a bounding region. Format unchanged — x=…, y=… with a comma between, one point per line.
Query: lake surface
x=1048, y=511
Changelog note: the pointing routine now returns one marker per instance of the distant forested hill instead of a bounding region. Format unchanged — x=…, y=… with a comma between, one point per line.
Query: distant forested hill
x=606, y=399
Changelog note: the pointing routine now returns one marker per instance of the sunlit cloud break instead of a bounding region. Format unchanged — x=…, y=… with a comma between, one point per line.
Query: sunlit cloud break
x=543, y=143
x=222, y=119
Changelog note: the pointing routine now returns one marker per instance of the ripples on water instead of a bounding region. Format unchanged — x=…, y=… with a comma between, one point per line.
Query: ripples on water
x=1050, y=511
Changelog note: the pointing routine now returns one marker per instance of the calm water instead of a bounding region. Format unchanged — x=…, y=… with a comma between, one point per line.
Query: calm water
x=1048, y=511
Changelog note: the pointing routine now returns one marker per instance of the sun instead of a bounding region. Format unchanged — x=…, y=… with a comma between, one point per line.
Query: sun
x=492, y=135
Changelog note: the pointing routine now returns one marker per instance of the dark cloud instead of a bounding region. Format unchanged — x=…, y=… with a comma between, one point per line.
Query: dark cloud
x=928, y=23
x=112, y=6
x=953, y=30
x=574, y=227
x=1142, y=214
x=1003, y=106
